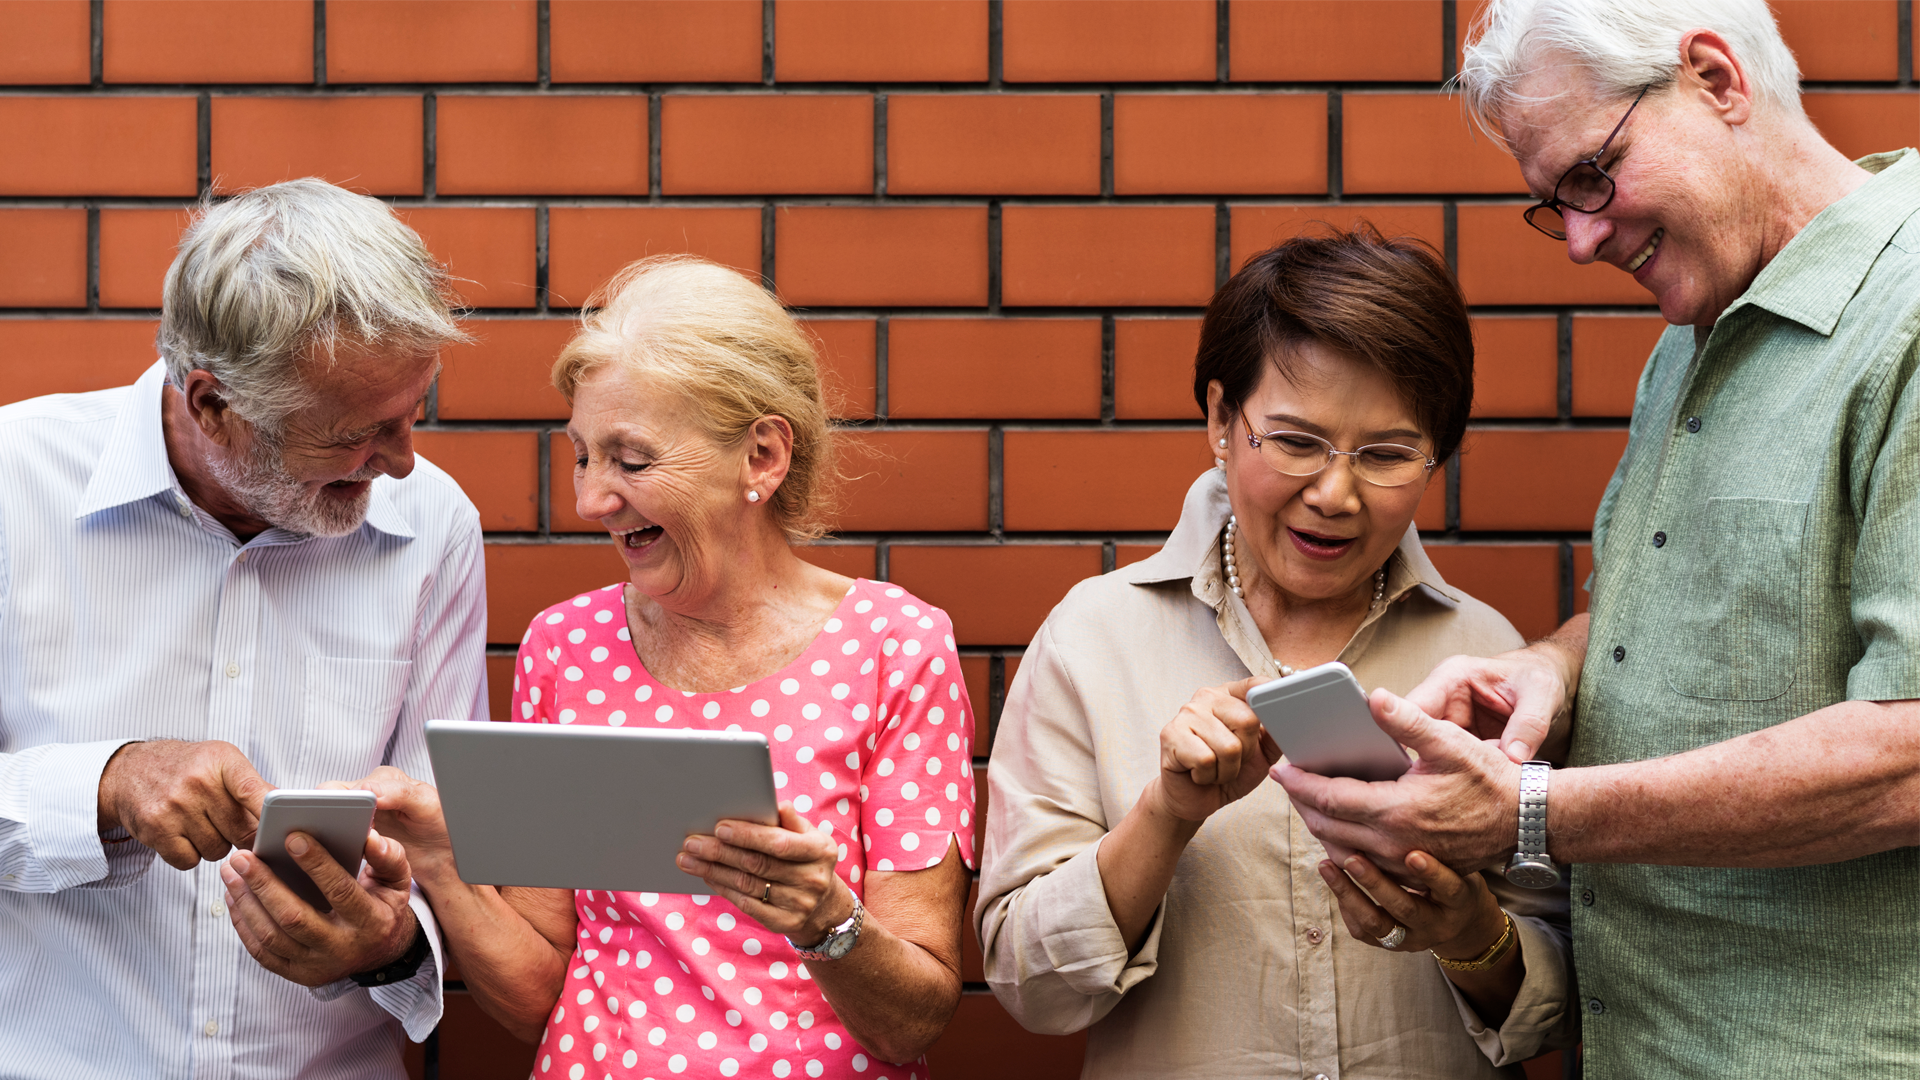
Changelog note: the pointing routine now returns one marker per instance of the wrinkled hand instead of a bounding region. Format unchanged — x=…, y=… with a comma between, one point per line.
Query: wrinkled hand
x=187, y=801
x=1460, y=800
x=408, y=811
x=1520, y=698
x=369, y=927
x=742, y=858
x=1457, y=917
x=1213, y=752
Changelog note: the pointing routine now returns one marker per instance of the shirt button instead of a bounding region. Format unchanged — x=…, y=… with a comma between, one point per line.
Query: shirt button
x=1586, y=897
x=1693, y=425
x=233, y=670
x=1619, y=653
x=242, y=558
x=1596, y=1006
x=1659, y=539
x=218, y=909
x=1314, y=934
x=212, y=1028
x=1318, y=1076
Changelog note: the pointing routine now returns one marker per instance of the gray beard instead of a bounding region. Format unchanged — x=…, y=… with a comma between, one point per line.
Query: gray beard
x=262, y=484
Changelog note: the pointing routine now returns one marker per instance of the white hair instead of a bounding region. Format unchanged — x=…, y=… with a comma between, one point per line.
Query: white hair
x=300, y=267
x=1623, y=45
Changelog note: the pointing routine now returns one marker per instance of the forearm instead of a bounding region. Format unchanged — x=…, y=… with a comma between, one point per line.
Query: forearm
x=894, y=996
x=513, y=972
x=1137, y=860
x=1567, y=649
x=1837, y=784
x=1490, y=992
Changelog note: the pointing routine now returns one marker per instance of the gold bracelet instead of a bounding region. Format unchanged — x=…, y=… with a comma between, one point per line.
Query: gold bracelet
x=1486, y=959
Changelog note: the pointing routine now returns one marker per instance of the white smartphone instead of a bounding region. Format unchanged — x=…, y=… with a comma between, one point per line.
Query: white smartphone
x=1321, y=720
x=339, y=820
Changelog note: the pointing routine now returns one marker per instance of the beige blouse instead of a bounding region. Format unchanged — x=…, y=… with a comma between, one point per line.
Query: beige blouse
x=1247, y=970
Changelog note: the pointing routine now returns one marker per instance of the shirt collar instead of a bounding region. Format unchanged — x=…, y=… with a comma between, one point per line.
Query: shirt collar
x=1816, y=275
x=1192, y=551
x=134, y=465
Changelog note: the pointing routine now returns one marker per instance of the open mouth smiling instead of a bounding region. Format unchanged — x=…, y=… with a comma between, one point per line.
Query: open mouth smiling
x=1653, y=244
x=639, y=538
x=1318, y=546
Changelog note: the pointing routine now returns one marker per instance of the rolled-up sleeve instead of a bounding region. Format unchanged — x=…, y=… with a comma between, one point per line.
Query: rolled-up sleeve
x=1542, y=1017
x=1053, y=955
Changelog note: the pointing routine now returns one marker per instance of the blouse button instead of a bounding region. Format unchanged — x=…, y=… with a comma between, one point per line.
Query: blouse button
x=1314, y=934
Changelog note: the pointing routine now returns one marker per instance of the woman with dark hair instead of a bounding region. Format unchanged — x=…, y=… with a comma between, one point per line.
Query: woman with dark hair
x=1140, y=877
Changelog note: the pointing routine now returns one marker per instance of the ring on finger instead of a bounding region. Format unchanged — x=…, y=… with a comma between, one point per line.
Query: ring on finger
x=766, y=893
x=1394, y=937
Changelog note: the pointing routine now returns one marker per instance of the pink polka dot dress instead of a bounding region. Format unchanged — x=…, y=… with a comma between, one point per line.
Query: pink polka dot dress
x=871, y=738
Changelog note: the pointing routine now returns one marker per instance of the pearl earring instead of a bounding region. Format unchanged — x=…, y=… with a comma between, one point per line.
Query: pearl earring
x=1223, y=444
x=753, y=496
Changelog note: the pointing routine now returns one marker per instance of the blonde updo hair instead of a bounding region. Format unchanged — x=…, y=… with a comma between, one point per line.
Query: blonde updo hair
x=727, y=346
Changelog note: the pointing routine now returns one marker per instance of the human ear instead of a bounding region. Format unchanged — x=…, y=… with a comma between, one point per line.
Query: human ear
x=1217, y=427
x=1708, y=65
x=207, y=404
x=769, y=453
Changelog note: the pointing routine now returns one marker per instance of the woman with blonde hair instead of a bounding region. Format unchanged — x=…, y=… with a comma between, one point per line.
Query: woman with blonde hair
x=831, y=945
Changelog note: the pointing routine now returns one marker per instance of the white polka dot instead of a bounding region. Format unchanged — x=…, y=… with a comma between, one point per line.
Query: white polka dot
x=708, y=1040
x=802, y=803
x=725, y=921
x=833, y=626
x=778, y=1021
x=863, y=607
x=657, y=1036
x=803, y=755
x=599, y=1051
x=534, y=693
x=616, y=718
x=759, y=707
x=781, y=1068
x=806, y=1019
x=936, y=715
x=663, y=714
x=953, y=792
x=789, y=686
x=832, y=1040
x=820, y=667
x=628, y=1059
x=677, y=1063
x=909, y=790
x=878, y=624
x=546, y=1063
x=852, y=646
x=733, y=1018
x=895, y=594
x=779, y=779
x=582, y=601
x=933, y=815
x=710, y=710
x=911, y=647
x=843, y=806
x=613, y=1007
x=556, y=619
x=867, y=668
x=576, y=636
x=883, y=815
x=567, y=716
x=648, y=899
x=751, y=994
x=596, y=696
x=637, y=1009
x=566, y=1043
x=933, y=766
x=598, y=654
x=814, y=1068
x=840, y=691
x=727, y=972
x=885, y=768
x=964, y=815
x=527, y=662
x=810, y=711
x=885, y=864
x=953, y=691
x=757, y=1043
x=684, y=1014
x=663, y=985
x=897, y=677
x=751, y=947
x=910, y=841
x=584, y=997
x=579, y=1070
x=859, y=1063
x=675, y=920
x=826, y=780
x=642, y=692
x=603, y=616
x=917, y=692
x=526, y=710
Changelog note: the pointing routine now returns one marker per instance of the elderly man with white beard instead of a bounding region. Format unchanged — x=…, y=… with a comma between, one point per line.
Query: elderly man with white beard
x=230, y=576
x=1737, y=720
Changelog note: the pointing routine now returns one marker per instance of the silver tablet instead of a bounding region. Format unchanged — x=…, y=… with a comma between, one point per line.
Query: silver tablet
x=580, y=807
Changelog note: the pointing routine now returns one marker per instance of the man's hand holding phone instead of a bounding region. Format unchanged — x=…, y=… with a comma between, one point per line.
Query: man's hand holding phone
x=370, y=926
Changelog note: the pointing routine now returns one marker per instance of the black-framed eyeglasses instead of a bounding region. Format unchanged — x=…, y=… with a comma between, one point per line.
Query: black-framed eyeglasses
x=1585, y=187
x=1297, y=453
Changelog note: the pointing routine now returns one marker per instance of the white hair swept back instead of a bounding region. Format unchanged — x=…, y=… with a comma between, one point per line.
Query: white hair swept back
x=1623, y=45
x=302, y=267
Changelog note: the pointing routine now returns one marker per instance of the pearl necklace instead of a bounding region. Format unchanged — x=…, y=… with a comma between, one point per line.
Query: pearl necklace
x=1233, y=581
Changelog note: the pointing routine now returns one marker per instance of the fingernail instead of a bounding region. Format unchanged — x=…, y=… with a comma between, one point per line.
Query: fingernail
x=684, y=862
x=724, y=834
x=1417, y=863
x=687, y=845
x=1517, y=750
x=239, y=863
x=296, y=845
x=1353, y=863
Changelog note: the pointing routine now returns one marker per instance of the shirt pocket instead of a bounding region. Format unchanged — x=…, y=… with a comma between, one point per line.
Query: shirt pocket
x=1736, y=632
x=351, y=707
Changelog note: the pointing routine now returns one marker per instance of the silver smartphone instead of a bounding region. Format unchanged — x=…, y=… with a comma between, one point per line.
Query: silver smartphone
x=1321, y=720
x=339, y=820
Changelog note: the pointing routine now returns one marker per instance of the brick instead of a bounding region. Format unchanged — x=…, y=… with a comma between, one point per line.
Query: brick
x=473, y=1045
x=993, y=368
x=587, y=245
x=982, y=1040
x=547, y=145
x=525, y=579
x=849, y=364
x=1128, y=554
x=759, y=144
x=1582, y=569
x=993, y=144
x=1502, y=260
x=1842, y=40
x=1075, y=481
x=880, y=41
x=370, y=144
x=1108, y=40
x=996, y=594
x=933, y=256
x=499, y=471
x=1153, y=369
x=1431, y=515
x=207, y=41
x=1466, y=17
x=1516, y=366
x=499, y=708
x=1609, y=352
x=72, y=356
x=1335, y=41
x=1520, y=581
x=847, y=560
x=45, y=42
x=1421, y=142
x=1257, y=228
x=410, y=41
x=98, y=146
x=503, y=374
x=47, y=258
x=1122, y=255
x=913, y=481
x=136, y=249
x=1188, y=144
x=1518, y=480
x=488, y=250
x=655, y=40
x=1866, y=122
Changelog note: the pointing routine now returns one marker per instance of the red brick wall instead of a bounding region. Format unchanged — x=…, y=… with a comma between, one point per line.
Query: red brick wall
x=1001, y=218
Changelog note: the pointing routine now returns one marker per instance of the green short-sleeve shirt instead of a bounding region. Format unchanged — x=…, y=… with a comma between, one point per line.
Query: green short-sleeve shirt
x=1757, y=559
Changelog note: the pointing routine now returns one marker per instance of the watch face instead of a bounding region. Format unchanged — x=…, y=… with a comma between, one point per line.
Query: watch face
x=1533, y=875
x=840, y=945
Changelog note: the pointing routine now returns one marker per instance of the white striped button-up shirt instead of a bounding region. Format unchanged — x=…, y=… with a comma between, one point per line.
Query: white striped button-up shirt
x=128, y=613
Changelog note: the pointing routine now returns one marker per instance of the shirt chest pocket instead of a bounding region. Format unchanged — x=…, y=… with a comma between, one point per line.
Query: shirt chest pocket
x=350, y=710
x=1736, y=631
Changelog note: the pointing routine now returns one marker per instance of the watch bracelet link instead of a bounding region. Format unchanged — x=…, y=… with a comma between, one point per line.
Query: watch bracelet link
x=852, y=925
x=1533, y=808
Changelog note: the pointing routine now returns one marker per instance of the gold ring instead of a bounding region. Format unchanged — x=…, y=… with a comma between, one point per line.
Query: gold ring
x=766, y=894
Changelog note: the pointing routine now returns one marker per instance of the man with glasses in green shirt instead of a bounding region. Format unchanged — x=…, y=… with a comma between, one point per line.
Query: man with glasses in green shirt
x=1740, y=806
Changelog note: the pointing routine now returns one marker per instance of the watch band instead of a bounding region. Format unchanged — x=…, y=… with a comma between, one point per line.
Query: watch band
x=839, y=941
x=402, y=969
x=1534, y=776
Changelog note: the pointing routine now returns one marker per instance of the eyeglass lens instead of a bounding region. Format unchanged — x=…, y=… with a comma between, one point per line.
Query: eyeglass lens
x=1296, y=453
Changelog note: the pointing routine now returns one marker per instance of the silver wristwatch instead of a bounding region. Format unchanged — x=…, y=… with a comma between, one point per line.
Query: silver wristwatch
x=1531, y=868
x=839, y=941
